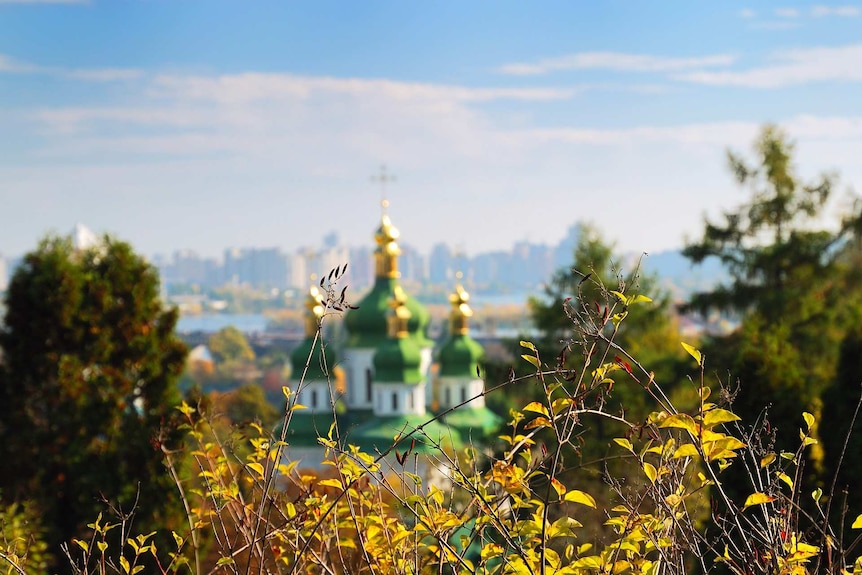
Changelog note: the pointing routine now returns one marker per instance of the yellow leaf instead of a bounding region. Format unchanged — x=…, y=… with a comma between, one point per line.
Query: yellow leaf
x=330, y=483
x=717, y=416
x=638, y=299
x=686, y=450
x=619, y=296
x=298, y=406
x=650, y=471
x=577, y=496
x=767, y=460
x=783, y=477
x=537, y=407
x=624, y=443
x=558, y=487
x=757, y=499
x=857, y=523
x=528, y=345
x=693, y=352
x=682, y=421
x=809, y=419
x=532, y=359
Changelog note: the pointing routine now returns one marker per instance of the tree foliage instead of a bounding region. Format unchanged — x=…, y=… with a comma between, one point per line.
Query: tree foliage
x=229, y=345
x=87, y=386
x=793, y=285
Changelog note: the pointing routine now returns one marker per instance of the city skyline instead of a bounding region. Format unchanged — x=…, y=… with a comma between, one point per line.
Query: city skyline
x=201, y=125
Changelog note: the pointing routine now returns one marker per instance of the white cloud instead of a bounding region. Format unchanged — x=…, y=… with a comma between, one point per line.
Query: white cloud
x=787, y=12
x=617, y=61
x=848, y=11
x=791, y=67
x=747, y=13
x=254, y=86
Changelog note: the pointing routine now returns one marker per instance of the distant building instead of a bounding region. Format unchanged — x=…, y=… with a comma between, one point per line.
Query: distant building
x=83, y=237
x=261, y=268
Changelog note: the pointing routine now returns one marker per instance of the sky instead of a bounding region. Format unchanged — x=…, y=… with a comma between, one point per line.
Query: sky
x=203, y=124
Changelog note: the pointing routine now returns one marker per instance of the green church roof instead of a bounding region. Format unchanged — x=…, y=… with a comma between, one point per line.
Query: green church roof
x=460, y=356
x=306, y=427
x=367, y=325
x=476, y=424
x=319, y=358
x=397, y=361
x=378, y=434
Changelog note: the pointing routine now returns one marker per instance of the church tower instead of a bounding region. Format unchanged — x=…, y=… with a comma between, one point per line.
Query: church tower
x=460, y=386
x=367, y=326
x=398, y=393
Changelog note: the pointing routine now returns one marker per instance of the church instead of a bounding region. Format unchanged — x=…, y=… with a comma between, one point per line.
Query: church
x=390, y=395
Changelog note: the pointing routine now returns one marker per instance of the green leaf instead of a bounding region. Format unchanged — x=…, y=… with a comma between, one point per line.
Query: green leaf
x=693, y=352
x=757, y=499
x=225, y=561
x=577, y=496
x=816, y=495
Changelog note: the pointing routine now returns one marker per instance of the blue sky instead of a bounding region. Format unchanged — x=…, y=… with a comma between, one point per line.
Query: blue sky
x=206, y=124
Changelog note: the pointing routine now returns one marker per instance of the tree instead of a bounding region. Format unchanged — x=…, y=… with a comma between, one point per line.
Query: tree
x=788, y=281
x=87, y=386
x=648, y=332
x=229, y=345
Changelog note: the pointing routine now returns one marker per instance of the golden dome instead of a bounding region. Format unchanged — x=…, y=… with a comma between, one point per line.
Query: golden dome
x=400, y=315
x=387, y=251
x=315, y=310
x=461, y=311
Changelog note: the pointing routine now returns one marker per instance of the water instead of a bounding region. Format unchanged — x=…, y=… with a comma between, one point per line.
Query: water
x=247, y=323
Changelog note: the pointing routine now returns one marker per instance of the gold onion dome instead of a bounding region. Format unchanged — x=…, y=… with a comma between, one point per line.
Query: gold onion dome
x=461, y=354
x=368, y=325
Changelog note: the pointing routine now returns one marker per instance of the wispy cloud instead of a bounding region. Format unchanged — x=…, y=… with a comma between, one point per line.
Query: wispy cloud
x=848, y=11
x=787, y=12
x=792, y=67
x=617, y=61
x=747, y=13
x=254, y=86
x=14, y=66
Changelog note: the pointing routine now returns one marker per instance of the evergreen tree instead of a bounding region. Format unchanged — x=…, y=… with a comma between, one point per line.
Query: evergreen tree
x=87, y=387
x=787, y=281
